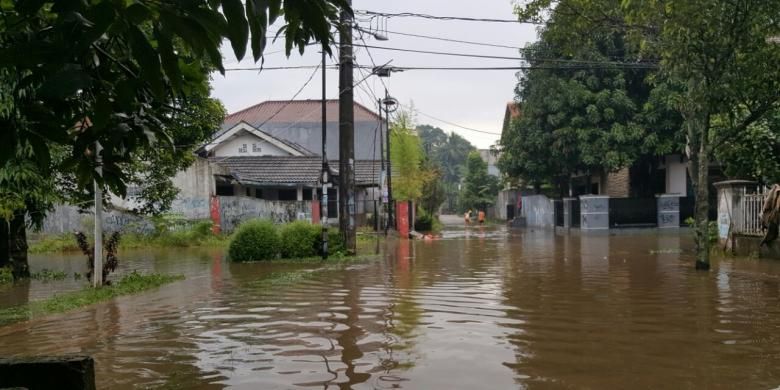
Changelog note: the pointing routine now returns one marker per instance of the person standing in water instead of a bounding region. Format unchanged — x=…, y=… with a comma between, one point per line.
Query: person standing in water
x=467, y=216
x=481, y=217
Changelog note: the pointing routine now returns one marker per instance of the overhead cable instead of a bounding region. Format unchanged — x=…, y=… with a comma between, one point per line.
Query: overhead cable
x=439, y=17
x=448, y=122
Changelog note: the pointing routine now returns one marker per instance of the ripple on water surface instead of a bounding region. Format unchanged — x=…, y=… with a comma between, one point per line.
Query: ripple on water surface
x=481, y=308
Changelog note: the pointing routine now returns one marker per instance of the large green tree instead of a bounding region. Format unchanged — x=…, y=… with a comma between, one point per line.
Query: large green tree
x=447, y=153
x=406, y=157
x=716, y=68
x=718, y=52
x=77, y=73
x=587, y=102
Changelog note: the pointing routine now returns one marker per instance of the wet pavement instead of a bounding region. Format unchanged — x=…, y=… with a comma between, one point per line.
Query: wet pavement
x=483, y=307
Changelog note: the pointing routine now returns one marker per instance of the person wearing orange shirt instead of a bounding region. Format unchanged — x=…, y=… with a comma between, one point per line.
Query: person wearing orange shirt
x=481, y=217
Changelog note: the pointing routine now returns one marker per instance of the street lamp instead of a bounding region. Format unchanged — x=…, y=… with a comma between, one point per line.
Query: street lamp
x=376, y=34
x=391, y=105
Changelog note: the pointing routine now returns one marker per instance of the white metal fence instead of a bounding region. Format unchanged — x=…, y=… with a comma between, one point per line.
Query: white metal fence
x=748, y=213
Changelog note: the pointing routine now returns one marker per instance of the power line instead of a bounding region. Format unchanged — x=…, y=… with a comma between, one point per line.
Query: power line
x=520, y=67
x=374, y=14
x=459, y=41
x=259, y=68
x=448, y=122
x=556, y=60
x=372, y=59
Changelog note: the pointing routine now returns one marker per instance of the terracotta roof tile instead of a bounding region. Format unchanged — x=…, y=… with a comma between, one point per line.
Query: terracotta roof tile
x=295, y=111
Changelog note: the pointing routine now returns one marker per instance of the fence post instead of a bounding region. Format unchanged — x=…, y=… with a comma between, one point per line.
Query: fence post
x=568, y=212
x=594, y=211
x=668, y=211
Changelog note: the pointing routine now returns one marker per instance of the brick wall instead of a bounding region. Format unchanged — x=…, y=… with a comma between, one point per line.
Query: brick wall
x=617, y=183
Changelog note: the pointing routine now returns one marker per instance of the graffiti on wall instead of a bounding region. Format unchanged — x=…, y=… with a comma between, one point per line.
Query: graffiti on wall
x=234, y=210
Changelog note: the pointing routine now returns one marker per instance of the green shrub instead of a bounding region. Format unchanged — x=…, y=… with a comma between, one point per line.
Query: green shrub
x=203, y=228
x=335, y=242
x=424, y=222
x=299, y=239
x=6, y=276
x=254, y=240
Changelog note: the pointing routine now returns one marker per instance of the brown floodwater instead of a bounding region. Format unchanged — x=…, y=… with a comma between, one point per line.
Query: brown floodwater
x=483, y=308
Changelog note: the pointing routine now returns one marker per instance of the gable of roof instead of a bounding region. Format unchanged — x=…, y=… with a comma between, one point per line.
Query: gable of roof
x=295, y=111
x=287, y=146
x=513, y=111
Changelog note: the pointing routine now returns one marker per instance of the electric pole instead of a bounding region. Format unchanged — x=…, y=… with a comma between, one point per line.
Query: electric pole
x=382, y=175
x=390, y=208
x=346, y=134
x=325, y=176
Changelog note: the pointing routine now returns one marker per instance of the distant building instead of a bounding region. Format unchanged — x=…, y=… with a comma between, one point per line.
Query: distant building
x=490, y=157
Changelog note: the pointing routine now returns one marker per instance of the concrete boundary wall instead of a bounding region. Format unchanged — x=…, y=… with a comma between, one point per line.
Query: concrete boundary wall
x=235, y=209
x=538, y=211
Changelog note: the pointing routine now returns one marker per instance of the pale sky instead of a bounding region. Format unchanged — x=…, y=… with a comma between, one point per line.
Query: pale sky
x=474, y=99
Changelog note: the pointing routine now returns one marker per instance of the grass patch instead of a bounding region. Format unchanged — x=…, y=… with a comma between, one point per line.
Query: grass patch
x=181, y=239
x=281, y=278
x=46, y=275
x=54, y=244
x=129, y=284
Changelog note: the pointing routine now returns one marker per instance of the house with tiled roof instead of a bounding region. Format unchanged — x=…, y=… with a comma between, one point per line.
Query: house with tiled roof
x=266, y=160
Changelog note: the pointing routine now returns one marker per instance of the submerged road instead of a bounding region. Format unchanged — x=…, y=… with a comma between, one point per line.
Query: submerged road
x=483, y=307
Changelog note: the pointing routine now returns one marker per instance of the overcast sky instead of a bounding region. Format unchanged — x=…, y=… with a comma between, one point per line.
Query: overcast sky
x=475, y=99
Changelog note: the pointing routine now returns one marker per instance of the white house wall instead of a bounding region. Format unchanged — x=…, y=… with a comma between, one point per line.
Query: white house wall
x=231, y=147
x=196, y=186
x=676, y=175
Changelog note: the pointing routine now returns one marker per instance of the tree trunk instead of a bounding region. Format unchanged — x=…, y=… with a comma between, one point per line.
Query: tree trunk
x=702, y=201
x=5, y=259
x=18, y=247
x=696, y=114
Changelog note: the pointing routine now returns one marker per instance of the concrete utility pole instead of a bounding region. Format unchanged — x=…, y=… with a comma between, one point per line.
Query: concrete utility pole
x=390, y=208
x=325, y=176
x=97, y=273
x=346, y=134
x=382, y=175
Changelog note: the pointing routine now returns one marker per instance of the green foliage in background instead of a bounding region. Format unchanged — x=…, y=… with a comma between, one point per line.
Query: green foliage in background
x=299, y=239
x=406, y=156
x=754, y=153
x=446, y=154
x=479, y=188
x=255, y=240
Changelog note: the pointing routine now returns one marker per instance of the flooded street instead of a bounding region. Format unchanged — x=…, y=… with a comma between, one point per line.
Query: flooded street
x=481, y=308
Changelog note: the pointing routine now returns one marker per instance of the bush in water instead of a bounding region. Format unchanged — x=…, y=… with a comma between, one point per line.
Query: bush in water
x=299, y=239
x=335, y=242
x=254, y=240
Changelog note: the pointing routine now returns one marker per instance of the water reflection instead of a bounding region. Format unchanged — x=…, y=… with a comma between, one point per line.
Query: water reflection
x=479, y=308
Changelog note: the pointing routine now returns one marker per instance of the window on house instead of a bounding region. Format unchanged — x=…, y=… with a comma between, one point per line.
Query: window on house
x=225, y=190
x=333, y=202
x=248, y=192
x=288, y=194
x=258, y=193
x=242, y=148
x=307, y=194
x=255, y=148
